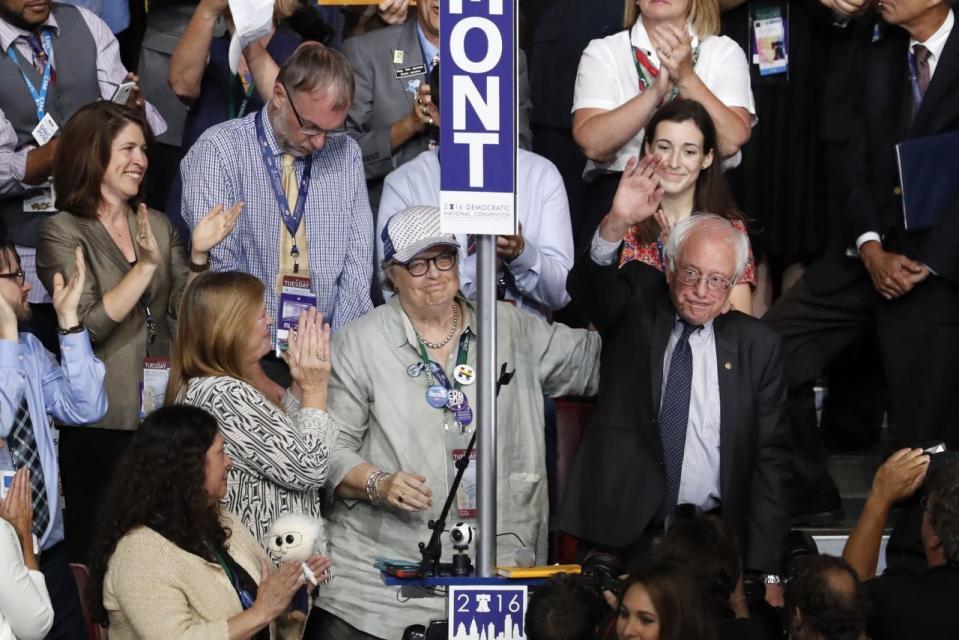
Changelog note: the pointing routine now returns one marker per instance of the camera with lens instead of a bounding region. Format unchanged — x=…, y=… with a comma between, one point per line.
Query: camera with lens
x=461, y=535
x=601, y=572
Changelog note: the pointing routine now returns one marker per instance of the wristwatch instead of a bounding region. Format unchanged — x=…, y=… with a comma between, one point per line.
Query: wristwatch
x=75, y=329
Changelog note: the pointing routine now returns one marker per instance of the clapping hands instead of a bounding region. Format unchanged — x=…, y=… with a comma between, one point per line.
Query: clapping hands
x=17, y=507
x=66, y=296
x=214, y=227
x=675, y=51
x=308, y=357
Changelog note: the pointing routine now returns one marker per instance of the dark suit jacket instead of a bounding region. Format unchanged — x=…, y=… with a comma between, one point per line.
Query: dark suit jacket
x=618, y=482
x=880, y=121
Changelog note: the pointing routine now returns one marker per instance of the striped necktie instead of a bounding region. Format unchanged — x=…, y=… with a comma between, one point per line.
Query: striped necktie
x=923, y=75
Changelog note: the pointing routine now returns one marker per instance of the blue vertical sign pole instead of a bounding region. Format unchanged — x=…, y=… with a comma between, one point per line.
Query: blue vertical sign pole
x=478, y=141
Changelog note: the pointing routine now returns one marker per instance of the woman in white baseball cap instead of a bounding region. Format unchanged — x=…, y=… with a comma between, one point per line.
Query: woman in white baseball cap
x=402, y=395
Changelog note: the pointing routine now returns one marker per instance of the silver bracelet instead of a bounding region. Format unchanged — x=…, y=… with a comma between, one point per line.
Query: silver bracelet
x=372, y=486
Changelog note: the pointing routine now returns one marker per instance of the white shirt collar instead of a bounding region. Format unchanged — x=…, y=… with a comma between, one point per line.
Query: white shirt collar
x=703, y=334
x=639, y=38
x=937, y=41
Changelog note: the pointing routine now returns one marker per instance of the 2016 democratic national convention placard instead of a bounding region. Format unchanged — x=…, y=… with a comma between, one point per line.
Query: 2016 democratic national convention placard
x=487, y=613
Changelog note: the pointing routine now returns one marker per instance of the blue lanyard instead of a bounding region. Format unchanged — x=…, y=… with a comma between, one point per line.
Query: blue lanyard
x=914, y=80
x=39, y=98
x=290, y=219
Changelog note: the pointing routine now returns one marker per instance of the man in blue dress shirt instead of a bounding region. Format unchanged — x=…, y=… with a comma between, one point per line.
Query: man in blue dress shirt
x=34, y=389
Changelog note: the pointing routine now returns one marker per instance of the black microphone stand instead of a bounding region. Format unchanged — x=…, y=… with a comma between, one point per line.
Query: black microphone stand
x=432, y=551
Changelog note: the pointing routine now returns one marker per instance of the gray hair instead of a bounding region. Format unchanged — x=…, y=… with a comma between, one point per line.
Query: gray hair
x=313, y=66
x=714, y=226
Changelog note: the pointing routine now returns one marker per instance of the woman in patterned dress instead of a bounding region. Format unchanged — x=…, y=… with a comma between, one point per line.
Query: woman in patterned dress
x=280, y=447
x=692, y=181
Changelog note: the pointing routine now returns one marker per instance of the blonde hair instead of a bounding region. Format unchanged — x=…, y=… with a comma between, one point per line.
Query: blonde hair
x=702, y=14
x=213, y=326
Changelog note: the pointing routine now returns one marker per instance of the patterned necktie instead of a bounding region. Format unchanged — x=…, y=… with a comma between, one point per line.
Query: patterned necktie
x=23, y=449
x=674, y=417
x=923, y=74
x=40, y=59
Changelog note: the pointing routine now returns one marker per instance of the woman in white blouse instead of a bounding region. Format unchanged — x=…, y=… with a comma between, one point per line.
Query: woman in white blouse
x=279, y=440
x=25, y=609
x=670, y=49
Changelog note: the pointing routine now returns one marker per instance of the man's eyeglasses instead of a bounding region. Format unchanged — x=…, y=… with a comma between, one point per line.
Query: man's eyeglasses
x=307, y=129
x=18, y=276
x=714, y=283
x=418, y=267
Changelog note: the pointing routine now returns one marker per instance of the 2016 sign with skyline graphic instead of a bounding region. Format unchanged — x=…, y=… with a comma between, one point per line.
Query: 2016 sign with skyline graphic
x=487, y=613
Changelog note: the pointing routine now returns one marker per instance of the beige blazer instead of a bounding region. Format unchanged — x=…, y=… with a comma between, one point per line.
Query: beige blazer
x=123, y=345
x=153, y=589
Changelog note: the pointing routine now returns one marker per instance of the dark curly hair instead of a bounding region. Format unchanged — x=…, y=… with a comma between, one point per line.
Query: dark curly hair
x=943, y=504
x=159, y=484
x=706, y=547
x=829, y=598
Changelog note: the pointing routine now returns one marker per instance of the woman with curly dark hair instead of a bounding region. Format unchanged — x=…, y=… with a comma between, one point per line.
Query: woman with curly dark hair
x=169, y=561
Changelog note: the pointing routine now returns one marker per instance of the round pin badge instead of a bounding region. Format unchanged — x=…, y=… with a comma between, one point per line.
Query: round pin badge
x=414, y=370
x=436, y=396
x=455, y=399
x=464, y=415
x=464, y=374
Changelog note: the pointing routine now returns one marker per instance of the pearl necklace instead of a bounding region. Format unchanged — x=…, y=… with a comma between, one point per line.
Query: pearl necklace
x=449, y=336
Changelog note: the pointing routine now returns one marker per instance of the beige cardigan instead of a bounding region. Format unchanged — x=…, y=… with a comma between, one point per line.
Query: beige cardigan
x=153, y=589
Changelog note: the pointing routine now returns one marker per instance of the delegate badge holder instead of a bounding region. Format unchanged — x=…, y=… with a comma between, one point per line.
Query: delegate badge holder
x=156, y=374
x=769, y=41
x=42, y=200
x=6, y=480
x=466, y=504
x=296, y=296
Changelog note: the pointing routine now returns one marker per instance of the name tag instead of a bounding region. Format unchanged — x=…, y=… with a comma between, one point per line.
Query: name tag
x=42, y=202
x=45, y=131
x=406, y=72
x=296, y=296
x=156, y=374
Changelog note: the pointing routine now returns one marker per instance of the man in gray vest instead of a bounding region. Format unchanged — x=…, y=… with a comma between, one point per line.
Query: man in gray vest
x=54, y=59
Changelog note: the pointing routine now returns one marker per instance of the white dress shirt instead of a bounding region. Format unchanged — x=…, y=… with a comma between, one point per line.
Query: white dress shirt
x=543, y=210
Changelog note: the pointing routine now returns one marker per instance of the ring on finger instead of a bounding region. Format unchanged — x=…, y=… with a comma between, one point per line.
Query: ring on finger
x=401, y=498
